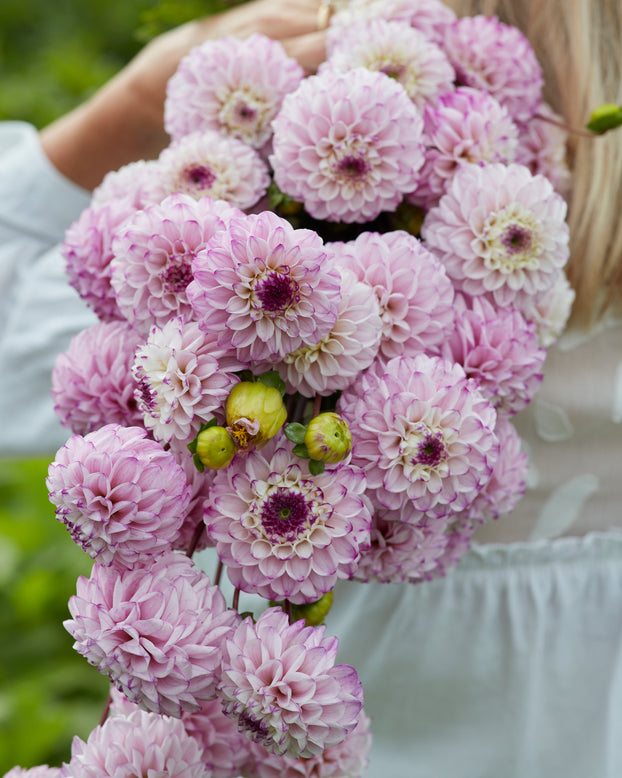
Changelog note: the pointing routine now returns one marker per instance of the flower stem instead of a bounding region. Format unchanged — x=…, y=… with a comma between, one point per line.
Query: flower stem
x=317, y=404
x=564, y=126
x=105, y=711
x=218, y=576
x=236, y=599
x=196, y=536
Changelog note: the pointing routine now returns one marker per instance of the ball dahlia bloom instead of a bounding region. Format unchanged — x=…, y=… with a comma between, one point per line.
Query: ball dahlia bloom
x=153, y=255
x=542, y=148
x=347, y=145
x=399, y=51
x=551, y=310
x=413, y=290
x=282, y=686
x=157, y=632
x=265, y=288
x=121, y=496
x=496, y=58
x=234, y=87
x=283, y=533
x=421, y=432
x=465, y=125
x=92, y=382
x=141, y=744
x=206, y=164
x=499, y=230
x=180, y=384
x=130, y=181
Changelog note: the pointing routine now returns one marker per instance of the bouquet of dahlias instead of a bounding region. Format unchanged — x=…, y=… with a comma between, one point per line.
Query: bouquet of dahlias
x=319, y=308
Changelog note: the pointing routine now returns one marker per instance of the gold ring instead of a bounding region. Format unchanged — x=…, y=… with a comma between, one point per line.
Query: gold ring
x=324, y=14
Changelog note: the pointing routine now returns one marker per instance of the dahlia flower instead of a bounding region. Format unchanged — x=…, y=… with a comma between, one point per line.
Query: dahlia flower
x=282, y=533
x=92, y=383
x=496, y=58
x=500, y=351
x=347, y=145
x=157, y=632
x=234, y=87
x=350, y=346
x=421, y=432
x=179, y=381
x=143, y=744
x=192, y=533
x=551, y=310
x=87, y=250
x=153, y=254
x=265, y=288
x=349, y=759
x=128, y=181
x=207, y=164
x=414, y=292
x=466, y=125
x=282, y=686
x=41, y=771
x=399, y=51
x=542, y=148
x=500, y=230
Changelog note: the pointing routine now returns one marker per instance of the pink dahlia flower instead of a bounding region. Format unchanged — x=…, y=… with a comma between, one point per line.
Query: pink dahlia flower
x=120, y=494
x=500, y=230
x=179, y=381
x=403, y=549
x=265, y=288
x=413, y=289
x=347, y=145
x=128, y=181
x=41, y=771
x=289, y=695
x=157, y=632
x=431, y=17
x=496, y=58
x=143, y=744
x=285, y=534
x=500, y=351
x=193, y=533
x=466, y=125
x=351, y=345
x=550, y=310
x=206, y=164
x=152, y=266
x=542, y=148
x=421, y=432
x=234, y=87
x=399, y=51
x=349, y=759
x=92, y=382
x=87, y=250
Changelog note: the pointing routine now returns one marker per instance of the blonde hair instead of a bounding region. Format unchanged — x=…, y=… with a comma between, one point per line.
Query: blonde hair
x=579, y=45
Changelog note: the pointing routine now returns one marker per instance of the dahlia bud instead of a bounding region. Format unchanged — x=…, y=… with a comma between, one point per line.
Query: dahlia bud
x=255, y=413
x=313, y=613
x=328, y=438
x=215, y=447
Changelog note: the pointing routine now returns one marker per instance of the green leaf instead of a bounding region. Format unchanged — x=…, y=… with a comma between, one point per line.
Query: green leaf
x=604, y=118
x=197, y=462
x=295, y=432
x=316, y=466
x=301, y=451
x=273, y=379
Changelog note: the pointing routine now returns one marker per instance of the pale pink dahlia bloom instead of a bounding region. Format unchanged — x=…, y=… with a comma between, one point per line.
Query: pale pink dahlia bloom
x=399, y=51
x=87, y=250
x=550, y=310
x=349, y=759
x=542, y=148
x=265, y=288
x=157, y=632
x=500, y=230
x=128, y=181
x=121, y=496
x=192, y=533
x=207, y=164
x=422, y=432
x=500, y=351
x=465, y=125
x=92, y=382
x=350, y=346
x=413, y=289
x=143, y=744
x=283, y=533
x=231, y=86
x=180, y=384
x=347, y=145
x=431, y=17
x=282, y=686
x=41, y=771
x=152, y=266
x=496, y=58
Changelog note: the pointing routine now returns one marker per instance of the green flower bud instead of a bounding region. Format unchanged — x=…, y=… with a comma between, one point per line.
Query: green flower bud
x=215, y=447
x=313, y=613
x=606, y=117
x=255, y=413
x=328, y=438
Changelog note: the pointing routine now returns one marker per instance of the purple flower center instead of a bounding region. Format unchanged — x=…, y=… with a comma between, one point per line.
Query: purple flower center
x=352, y=167
x=200, y=176
x=276, y=292
x=285, y=515
x=517, y=239
x=431, y=451
x=177, y=275
x=245, y=113
x=393, y=70
x=147, y=395
x=254, y=728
